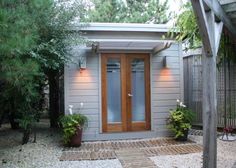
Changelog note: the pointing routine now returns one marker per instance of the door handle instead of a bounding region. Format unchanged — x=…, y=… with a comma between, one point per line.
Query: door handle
x=130, y=95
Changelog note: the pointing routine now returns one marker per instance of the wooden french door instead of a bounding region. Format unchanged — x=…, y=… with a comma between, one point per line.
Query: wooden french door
x=125, y=92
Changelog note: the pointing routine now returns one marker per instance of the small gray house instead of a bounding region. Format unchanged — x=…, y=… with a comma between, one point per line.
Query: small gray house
x=127, y=80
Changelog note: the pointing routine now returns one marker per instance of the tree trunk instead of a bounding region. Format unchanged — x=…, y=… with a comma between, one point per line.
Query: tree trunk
x=14, y=124
x=2, y=116
x=53, y=81
x=26, y=136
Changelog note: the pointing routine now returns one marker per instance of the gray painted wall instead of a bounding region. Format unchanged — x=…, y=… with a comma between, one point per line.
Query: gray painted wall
x=166, y=87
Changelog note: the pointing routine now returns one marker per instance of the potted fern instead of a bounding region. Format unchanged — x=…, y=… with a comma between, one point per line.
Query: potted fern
x=72, y=126
x=180, y=120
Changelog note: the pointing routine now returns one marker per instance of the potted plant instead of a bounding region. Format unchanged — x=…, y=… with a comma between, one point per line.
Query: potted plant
x=73, y=125
x=180, y=120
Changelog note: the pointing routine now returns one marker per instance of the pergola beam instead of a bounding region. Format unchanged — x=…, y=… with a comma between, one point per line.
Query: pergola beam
x=202, y=23
x=215, y=6
x=223, y=2
x=218, y=30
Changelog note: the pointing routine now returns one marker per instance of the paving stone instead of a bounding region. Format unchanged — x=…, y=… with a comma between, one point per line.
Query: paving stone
x=133, y=159
x=172, y=150
x=132, y=153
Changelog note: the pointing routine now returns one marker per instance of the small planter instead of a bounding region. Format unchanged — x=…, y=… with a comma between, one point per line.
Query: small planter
x=77, y=138
x=73, y=125
x=184, y=137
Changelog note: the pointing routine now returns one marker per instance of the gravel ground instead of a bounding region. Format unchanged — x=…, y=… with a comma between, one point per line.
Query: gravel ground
x=226, y=152
x=48, y=149
x=43, y=154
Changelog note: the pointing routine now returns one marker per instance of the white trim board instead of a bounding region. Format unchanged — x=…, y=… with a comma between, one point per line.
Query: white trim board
x=133, y=27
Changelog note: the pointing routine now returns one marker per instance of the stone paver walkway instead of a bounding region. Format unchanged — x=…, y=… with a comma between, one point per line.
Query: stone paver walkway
x=131, y=153
x=134, y=159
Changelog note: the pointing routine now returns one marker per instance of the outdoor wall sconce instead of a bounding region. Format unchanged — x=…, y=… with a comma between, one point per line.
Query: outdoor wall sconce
x=164, y=62
x=82, y=63
x=95, y=47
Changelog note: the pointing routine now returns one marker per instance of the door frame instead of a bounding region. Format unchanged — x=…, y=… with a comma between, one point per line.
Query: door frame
x=126, y=118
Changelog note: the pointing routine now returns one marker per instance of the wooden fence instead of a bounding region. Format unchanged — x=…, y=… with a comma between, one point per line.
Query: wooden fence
x=226, y=90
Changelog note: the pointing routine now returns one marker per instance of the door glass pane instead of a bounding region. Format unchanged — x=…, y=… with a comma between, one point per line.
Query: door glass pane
x=138, y=90
x=113, y=91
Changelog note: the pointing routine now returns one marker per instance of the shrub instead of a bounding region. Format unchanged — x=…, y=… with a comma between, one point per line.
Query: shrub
x=180, y=119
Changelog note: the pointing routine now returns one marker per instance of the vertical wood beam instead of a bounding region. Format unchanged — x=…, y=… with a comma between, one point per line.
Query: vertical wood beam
x=209, y=111
x=210, y=32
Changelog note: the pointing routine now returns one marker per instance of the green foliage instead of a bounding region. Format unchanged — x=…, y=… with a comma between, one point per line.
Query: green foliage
x=53, y=19
x=133, y=11
x=186, y=27
x=54, y=45
x=180, y=119
x=18, y=30
x=187, y=30
x=19, y=73
x=26, y=121
x=226, y=50
x=70, y=123
x=34, y=39
x=20, y=92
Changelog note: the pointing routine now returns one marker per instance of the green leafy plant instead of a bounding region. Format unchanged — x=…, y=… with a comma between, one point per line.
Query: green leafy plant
x=180, y=119
x=186, y=28
x=70, y=123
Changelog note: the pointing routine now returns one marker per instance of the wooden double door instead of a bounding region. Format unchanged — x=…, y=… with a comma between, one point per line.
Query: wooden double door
x=125, y=92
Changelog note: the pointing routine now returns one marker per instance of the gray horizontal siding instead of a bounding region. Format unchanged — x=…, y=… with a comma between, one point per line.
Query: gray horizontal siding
x=165, y=91
x=166, y=78
x=84, y=87
x=86, y=98
x=159, y=59
x=168, y=53
x=166, y=87
x=73, y=73
x=169, y=96
x=91, y=92
x=160, y=109
x=163, y=84
x=83, y=79
x=163, y=103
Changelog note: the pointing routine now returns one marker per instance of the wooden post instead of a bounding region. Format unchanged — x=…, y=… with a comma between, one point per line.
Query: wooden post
x=209, y=110
x=210, y=31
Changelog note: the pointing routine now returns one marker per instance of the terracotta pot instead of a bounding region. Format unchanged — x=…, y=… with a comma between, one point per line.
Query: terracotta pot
x=76, y=139
x=184, y=137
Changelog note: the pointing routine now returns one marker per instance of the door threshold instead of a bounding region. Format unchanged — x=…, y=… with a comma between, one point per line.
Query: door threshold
x=127, y=132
